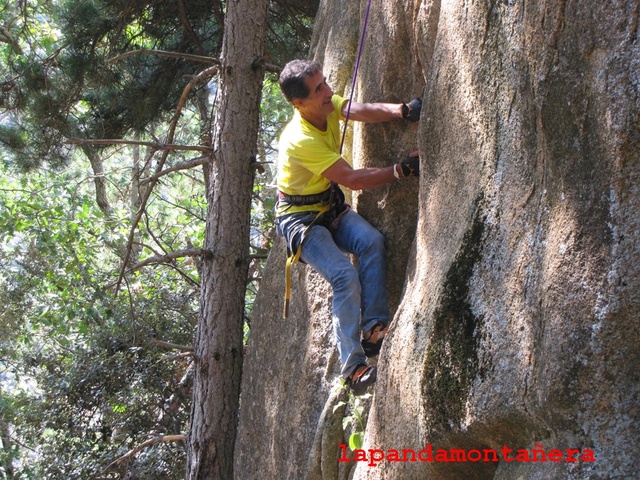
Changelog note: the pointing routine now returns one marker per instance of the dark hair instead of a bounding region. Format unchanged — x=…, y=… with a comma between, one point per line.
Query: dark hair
x=293, y=76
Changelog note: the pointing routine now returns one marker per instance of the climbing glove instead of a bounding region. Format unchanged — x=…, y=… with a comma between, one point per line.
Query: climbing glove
x=410, y=166
x=412, y=111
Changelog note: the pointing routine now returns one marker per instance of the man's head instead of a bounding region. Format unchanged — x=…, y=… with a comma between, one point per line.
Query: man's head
x=293, y=76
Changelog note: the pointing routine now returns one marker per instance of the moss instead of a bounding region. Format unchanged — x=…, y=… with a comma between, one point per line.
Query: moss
x=452, y=359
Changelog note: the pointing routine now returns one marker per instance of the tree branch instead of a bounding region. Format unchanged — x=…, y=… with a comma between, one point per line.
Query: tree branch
x=181, y=166
x=201, y=77
x=173, y=346
x=175, y=356
x=169, y=257
x=156, y=145
x=184, y=19
x=162, y=53
x=5, y=37
x=143, y=445
x=99, y=181
x=269, y=67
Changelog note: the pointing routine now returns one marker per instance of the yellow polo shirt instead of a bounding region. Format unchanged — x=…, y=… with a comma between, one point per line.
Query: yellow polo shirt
x=305, y=153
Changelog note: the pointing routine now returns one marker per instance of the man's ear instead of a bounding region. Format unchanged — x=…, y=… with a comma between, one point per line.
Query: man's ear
x=297, y=103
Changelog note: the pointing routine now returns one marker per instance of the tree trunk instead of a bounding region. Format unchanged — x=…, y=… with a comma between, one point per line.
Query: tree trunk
x=218, y=348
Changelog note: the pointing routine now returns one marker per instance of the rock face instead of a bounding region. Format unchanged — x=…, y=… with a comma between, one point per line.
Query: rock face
x=514, y=263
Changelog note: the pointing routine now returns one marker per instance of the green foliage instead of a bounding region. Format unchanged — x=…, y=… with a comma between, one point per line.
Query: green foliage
x=60, y=80
x=290, y=29
x=64, y=85
x=86, y=375
x=14, y=138
x=354, y=419
x=86, y=363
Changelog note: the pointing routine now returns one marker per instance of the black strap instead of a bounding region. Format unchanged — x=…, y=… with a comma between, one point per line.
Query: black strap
x=300, y=200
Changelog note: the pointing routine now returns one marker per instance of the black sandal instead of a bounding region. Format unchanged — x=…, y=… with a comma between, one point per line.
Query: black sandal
x=361, y=377
x=372, y=341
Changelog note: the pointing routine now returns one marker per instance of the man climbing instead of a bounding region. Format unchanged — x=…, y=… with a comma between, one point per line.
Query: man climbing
x=316, y=223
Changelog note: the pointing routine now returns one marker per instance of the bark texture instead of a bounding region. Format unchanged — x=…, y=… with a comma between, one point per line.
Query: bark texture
x=517, y=319
x=218, y=348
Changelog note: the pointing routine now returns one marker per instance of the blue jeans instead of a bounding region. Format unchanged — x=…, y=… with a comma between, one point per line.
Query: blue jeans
x=359, y=294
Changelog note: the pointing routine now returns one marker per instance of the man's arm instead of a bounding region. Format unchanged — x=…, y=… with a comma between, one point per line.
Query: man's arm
x=361, y=179
x=370, y=177
x=373, y=112
x=383, y=112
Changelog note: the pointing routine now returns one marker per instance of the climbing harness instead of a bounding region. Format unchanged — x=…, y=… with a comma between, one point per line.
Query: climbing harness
x=300, y=200
x=294, y=256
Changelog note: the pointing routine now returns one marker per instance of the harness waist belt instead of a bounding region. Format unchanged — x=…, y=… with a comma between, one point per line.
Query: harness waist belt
x=300, y=200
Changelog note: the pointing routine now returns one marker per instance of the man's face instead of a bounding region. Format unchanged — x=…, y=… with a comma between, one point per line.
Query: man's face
x=319, y=100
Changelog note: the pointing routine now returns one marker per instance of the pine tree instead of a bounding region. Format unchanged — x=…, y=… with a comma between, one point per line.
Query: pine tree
x=77, y=76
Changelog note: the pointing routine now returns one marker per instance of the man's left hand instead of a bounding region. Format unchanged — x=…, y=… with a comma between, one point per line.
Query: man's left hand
x=412, y=111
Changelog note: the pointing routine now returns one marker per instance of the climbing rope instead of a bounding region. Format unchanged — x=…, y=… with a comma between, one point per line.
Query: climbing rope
x=355, y=73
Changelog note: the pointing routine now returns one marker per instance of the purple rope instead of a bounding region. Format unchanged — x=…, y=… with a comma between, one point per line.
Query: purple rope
x=355, y=74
